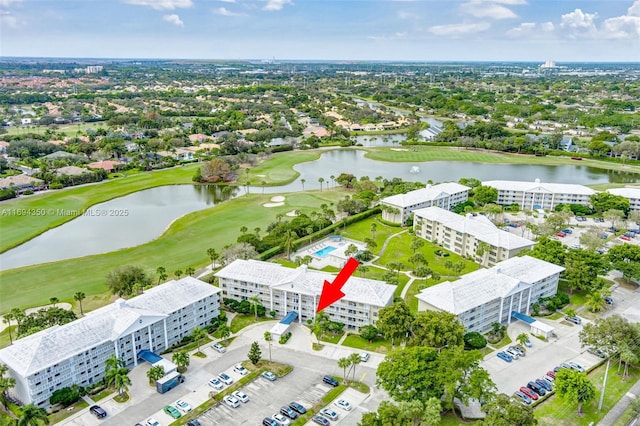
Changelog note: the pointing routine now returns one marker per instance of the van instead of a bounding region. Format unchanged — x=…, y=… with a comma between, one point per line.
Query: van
x=98, y=411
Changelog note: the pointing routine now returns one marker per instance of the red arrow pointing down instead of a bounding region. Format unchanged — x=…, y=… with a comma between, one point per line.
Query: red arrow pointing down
x=332, y=292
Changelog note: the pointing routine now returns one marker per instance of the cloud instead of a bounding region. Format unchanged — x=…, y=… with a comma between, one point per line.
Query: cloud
x=273, y=5
x=226, y=12
x=531, y=29
x=7, y=3
x=454, y=30
x=173, y=19
x=407, y=15
x=227, y=1
x=492, y=9
x=625, y=26
x=8, y=20
x=161, y=4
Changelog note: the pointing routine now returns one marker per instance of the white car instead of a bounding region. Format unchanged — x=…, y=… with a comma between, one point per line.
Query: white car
x=231, y=401
x=343, y=404
x=576, y=366
x=218, y=347
x=240, y=370
x=183, y=406
x=241, y=396
x=152, y=422
x=225, y=378
x=329, y=413
x=281, y=419
x=514, y=354
x=216, y=384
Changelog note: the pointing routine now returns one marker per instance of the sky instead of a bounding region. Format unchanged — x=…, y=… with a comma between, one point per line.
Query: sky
x=389, y=30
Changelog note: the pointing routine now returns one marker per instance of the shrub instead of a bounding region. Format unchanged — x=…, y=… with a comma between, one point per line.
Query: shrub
x=474, y=340
x=65, y=396
x=285, y=338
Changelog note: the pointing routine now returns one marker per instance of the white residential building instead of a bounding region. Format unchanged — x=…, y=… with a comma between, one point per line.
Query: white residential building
x=75, y=353
x=632, y=194
x=536, y=195
x=444, y=195
x=487, y=296
x=464, y=234
x=283, y=290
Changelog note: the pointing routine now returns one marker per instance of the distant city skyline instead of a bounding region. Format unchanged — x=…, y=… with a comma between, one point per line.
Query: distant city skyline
x=385, y=30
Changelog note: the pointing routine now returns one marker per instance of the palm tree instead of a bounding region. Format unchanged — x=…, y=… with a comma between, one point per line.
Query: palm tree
x=363, y=270
x=344, y=363
x=197, y=334
x=302, y=181
x=594, y=301
x=333, y=179
x=162, y=274
x=178, y=273
x=7, y=320
x=483, y=251
x=355, y=360
x=224, y=331
x=54, y=301
x=155, y=373
x=112, y=363
x=190, y=271
x=320, y=180
x=255, y=302
x=79, y=297
x=257, y=231
x=32, y=416
x=243, y=230
x=373, y=228
x=522, y=338
x=122, y=381
x=181, y=359
x=268, y=338
x=6, y=383
x=213, y=255
x=289, y=237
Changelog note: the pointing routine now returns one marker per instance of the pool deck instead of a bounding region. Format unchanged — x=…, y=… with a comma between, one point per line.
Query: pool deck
x=335, y=257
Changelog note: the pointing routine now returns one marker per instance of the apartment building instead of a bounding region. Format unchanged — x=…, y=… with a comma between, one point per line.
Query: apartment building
x=632, y=194
x=536, y=195
x=488, y=296
x=444, y=195
x=75, y=353
x=465, y=235
x=283, y=290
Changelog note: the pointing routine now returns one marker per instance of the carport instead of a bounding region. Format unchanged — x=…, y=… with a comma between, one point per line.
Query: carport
x=283, y=326
x=156, y=360
x=538, y=328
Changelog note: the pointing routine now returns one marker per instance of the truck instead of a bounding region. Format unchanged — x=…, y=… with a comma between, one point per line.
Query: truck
x=169, y=382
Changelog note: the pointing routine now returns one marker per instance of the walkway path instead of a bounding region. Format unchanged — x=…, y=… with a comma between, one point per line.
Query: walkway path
x=384, y=245
x=620, y=407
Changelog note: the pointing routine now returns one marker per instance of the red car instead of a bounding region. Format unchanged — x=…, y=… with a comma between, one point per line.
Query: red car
x=561, y=234
x=551, y=374
x=624, y=237
x=531, y=394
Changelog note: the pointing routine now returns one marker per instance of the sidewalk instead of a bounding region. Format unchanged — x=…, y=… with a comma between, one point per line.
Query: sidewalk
x=620, y=406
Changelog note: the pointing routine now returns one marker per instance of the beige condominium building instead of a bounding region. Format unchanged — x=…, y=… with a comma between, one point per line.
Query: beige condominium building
x=75, y=353
x=284, y=290
x=488, y=296
x=469, y=236
x=539, y=196
x=444, y=195
x=632, y=194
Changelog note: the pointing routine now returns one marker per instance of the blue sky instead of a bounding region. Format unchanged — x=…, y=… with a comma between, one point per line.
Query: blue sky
x=421, y=30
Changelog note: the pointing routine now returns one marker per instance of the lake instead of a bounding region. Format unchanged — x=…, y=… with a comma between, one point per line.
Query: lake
x=144, y=215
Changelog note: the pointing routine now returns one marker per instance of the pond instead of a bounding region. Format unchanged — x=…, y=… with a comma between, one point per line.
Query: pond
x=144, y=215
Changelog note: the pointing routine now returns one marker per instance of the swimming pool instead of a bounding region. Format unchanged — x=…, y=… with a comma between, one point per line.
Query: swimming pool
x=324, y=252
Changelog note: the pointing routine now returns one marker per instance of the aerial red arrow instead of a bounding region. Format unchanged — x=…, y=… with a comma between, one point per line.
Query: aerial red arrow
x=332, y=292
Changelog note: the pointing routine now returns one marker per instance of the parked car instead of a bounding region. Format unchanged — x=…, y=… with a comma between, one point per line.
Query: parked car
x=576, y=366
x=231, y=401
x=218, y=347
x=552, y=374
x=560, y=234
x=364, y=356
x=281, y=419
x=171, y=410
x=330, y=381
x=98, y=411
x=540, y=390
x=194, y=422
x=318, y=419
x=289, y=412
x=604, y=236
x=329, y=413
x=527, y=343
x=152, y=422
x=241, y=396
x=520, y=351
x=216, y=384
x=548, y=379
x=522, y=397
x=268, y=421
x=597, y=352
x=344, y=404
x=531, y=394
x=504, y=356
x=513, y=353
x=269, y=376
x=560, y=367
x=297, y=407
x=625, y=238
x=183, y=406
x=545, y=384
x=240, y=370
x=224, y=378
x=575, y=320
x=567, y=231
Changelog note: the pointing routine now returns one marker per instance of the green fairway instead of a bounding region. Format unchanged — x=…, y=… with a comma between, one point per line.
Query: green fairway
x=278, y=170
x=184, y=244
x=439, y=153
x=67, y=129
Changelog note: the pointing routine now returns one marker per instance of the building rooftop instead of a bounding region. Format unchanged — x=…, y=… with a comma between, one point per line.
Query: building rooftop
x=56, y=344
x=626, y=192
x=537, y=186
x=484, y=285
x=478, y=226
x=431, y=192
x=19, y=180
x=306, y=281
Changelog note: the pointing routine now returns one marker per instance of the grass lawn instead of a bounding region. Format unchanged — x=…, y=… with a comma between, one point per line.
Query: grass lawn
x=557, y=412
x=443, y=153
x=67, y=412
x=184, y=244
x=361, y=230
x=410, y=298
x=625, y=418
x=241, y=321
x=378, y=345
x=331, y=337
x=67, y=129
x=278, y=170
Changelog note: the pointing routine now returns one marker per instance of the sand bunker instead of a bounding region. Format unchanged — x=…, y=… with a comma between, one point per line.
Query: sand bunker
x=291, y=213
x=272, y=204
x=277, y=199
x=399, y=149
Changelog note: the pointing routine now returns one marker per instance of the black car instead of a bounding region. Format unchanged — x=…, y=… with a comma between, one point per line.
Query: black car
x=97, y=411
x=608, y=299
x=288, y=411
x=298, y=408
x=543, y=383
x=194, y=422
x=320, y=420
x=330, y=381
x=268, y=421
x=537, y=388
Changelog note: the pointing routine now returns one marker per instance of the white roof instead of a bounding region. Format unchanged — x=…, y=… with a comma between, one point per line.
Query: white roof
x=482, y=286
x=542, y=326
x=431, y=192
x=56, y=344
x=478, y=226
x=628, y=192
x=305, y=281
x=537, y=186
